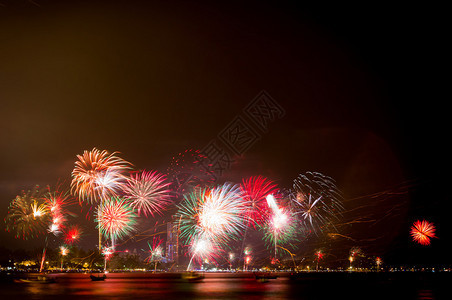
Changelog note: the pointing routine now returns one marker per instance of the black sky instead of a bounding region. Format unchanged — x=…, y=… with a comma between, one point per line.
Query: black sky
x=361, y=87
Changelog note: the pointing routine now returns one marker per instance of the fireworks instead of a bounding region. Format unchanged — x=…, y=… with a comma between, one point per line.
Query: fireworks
x=56, y=202
x=355, y=253
x=422, y=232
x=116, y=218
x=63, y=250
x=97, y=175
x=319, y=255
x=156, y=250
x=107, y=252
x=279, y=228
x=222, y=211
x=28, y=214
x=378, y=262
x=255, y=190
x=203, y=248
x=72, y=234
x=209, y=218
x=216, y=214
x=317, y=199
x=148, y=192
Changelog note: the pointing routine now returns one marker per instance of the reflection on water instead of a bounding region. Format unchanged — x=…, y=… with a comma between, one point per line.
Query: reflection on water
x=425, y=295
x=225, y=286
x=120, y=286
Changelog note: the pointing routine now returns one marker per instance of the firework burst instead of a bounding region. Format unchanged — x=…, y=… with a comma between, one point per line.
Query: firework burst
x=280, y=228
x=56, y=202
x=214, y=214
x=317, y=200
x=72, y=234
x=97, y=175
x=147, y=192
x=116, y=218
x=422, y=232
x=203, y=248
x=28, y=214
x=222, y=211
x=156, y=252
x=255, y=190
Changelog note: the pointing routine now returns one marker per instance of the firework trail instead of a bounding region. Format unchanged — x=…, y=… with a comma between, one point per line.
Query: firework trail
x=116, y=218
x=147, y=192
x=28, y=214
x=98, y=175
x=57, y=201
x=247, y=257
x=317, y=200
x=107, y=252
x=279, y=228
x=422, y=232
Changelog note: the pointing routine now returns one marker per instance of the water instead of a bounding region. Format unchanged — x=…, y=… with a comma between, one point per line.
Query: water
x=236, y=286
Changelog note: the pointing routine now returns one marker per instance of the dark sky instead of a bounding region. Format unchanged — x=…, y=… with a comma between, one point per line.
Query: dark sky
x=360, y=85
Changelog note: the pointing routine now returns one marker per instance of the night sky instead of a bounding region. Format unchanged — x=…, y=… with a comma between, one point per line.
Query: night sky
x=360, y=87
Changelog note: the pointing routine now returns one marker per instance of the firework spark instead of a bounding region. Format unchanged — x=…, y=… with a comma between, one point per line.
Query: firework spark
x=279, y=228
x=317, y=199
x=97, y=175
x=28, y=214
x=255, y=190
x=56, y=201
x=116, y=218
x=148, y=192
x=319, y=255
x=422, y=232
x=203, y=248
x=216, y=214
x=72, y=234
x=156, y=250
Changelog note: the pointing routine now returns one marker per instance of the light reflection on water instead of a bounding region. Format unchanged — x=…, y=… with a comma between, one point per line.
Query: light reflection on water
x=217, y=286
x=79, y=285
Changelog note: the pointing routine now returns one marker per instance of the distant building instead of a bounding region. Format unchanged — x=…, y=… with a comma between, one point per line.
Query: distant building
x=172, y=245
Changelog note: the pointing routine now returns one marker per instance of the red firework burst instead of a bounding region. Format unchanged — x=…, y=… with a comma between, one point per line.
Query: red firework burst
x=319, y=255
x=422, y=232
x=72, y=234
x=255, y=189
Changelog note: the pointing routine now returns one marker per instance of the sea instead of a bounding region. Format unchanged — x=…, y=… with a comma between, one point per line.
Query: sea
x=224, y=285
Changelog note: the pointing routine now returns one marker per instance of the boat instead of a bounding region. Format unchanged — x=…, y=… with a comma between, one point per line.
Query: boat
x=193, y=276
x=264, y=277
x=97, y=278
x=38, y=279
